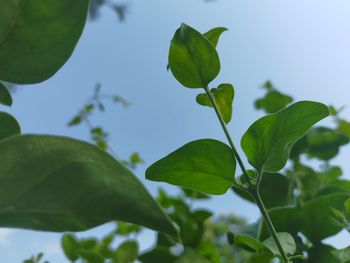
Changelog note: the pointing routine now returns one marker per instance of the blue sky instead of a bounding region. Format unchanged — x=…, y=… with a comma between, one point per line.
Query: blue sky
x=302, y=46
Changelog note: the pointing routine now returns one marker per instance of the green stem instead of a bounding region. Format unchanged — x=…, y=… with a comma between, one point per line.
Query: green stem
x=253, y=189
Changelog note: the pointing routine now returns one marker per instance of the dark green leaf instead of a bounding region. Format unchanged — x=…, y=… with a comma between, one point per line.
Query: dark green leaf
x=321, y=253
x=274, y=190
x=63, y=184
x=37, y=37
x=8, y=126
x=214, y=34
x=192, y=58
x=127, y=252
x=268, y=141
x=158, y=254
x=286, y=241
x=5, y=95
x=223, y=95
x=204, y=165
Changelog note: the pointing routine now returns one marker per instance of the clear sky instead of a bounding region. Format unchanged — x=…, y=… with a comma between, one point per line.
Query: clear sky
x=302, y=46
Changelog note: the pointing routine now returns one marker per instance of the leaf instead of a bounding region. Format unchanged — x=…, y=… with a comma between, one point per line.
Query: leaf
x=204, y=165
x=193, y=60
x=37, y=37
x=70, y=246
x=274, y=190
x=315, y=215
x=91, y=256
x=5, y=95
x=158, y=254
x=321, y=253
x=127, y=252
x=59, y=184
x=8, y=126
x=273, y=101
x=249, y=243
x=223, y=95
x=343, y=255
x=268, y=141
x=214, y=34
x=286, y=241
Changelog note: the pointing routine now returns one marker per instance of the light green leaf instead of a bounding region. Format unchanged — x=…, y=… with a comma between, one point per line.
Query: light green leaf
x=59, y=184
x=70, y=246
x=343, y=255
x=214, y=34
x=127, y=252
x=8, y=126
x=249, y=243
x=286, y=241
x=37, y=37
x=193, y=60
x=5, y=96
x=204, y=165
x=268, y=141
x=223, y=95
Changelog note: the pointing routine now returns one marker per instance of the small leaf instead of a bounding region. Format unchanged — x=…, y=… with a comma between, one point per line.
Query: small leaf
x=223, y=95
x=70, y=246
x=127, y=252
x=214, y=34
x=268, y=141
x=63, y=185
x=91, y=256
x=249, y=243
x=75, y=121
x=287, y=242
x=193, y=60
x=204, y=165
x=8, y=126
x=273, y=101
x=5, y=95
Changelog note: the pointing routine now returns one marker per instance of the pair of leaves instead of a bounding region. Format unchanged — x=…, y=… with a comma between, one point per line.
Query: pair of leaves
x=37, y=37
x=204, y=165
x=268, y=245
x=268, y=141
x=193, y=59
x=68, y=185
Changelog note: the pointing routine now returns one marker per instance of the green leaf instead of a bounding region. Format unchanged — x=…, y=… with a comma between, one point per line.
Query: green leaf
x=273, y=101
x=8, y=126
x=274, y=190
x=63, y=184
x=204, y=165
x=193, y=60
x=223, y=95
x=315, y=215
x=343, y=255
x=37, y=37
x=320, y=253
x=5, y=95
x=70, y=246
x=91, y=256
x=158, y=254
x=268, y=141
x=286, y=241
x=127, y=252
x=249, y=243
x=214, y=34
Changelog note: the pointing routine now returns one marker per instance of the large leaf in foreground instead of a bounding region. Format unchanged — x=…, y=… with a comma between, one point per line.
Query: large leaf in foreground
x=204, y=165
x=37, y=37
x=59, y=184
x=193, y=60
x=268, y=141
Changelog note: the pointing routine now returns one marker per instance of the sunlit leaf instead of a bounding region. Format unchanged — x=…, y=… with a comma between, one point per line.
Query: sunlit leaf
x=223, y=95
x=204, y=165
x=193, y=60
x=214, y=34
x=287, y=242
x=268, y=141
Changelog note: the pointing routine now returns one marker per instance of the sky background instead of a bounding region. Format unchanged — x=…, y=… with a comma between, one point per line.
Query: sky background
x=303, y=47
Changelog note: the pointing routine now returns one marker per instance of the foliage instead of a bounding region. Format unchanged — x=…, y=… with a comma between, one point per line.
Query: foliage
x=52, y=183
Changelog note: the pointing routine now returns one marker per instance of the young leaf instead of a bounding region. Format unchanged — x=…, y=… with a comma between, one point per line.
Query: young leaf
x=268, y=141
x=223, y=95
x=59, y=184
x=214, y=34
x=204, y=165
x=193, y=60
x=5, y=95
x=8, y=126
x=37, y=37
x=287, y=243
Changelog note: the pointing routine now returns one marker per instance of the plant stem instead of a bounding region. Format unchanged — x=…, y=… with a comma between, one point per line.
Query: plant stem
x=253, y=189
x=228, y=136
